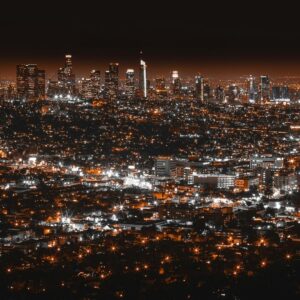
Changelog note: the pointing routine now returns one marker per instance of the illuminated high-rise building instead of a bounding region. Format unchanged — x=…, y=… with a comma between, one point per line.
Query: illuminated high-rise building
x=86, y=88
x=252, y=89
x=199, y=87
x=53, y=88
x=206, y=91
x=111, y=81
x=174, y=75
x=30, y=82
x=21, y=81
x=90, y=88
x=129, y=83
x=280, y=93
x=114, y=74
x=143, y=87
x=66, y=77
x=41, y=83
x=61, y=77
x=68, y=63
x=95, y=83
x=176, y=83
x=106, y=77
x=264, y=87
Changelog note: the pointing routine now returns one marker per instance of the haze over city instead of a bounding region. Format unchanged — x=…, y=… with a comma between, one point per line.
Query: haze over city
x=218, y=39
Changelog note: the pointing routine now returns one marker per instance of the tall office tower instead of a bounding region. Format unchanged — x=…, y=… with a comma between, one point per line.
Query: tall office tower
x=206, y=91
x=95, y=83
x=61, y=76
x=176, y=83
x=148, y=84
x=280, y=93
x=66, y=77
x=106, y=78
x=86, y=88
x=41, y=83
x=264, y=88
x=113, y=81
x=53, y=88
x=129, y=83
x=106, y=83
x=143, y=87
x=68, y=64
x=252, y=89
x=199, y=87
x=30, y=82
x=21, y=81
x=114, y=74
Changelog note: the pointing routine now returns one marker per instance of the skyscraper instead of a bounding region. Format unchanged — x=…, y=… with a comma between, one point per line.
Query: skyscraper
x=41, y=83
x=199, y=87
x=143, y=78
x=90, y=87
x=53, y=88
x=86, y=88
x=66, y=77
x=280, y=93
x=30, y=82
x=206, y=91
x=114, y=74
x=95, y=83
x=68, y=64
x=252, y=89
x=21, y=81
x=264, y=88
x=129, y=83
x=176, y=83
x=111, y=81
x=106, y=83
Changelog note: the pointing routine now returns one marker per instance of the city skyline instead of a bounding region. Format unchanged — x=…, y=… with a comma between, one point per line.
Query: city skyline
x=31, y=85
x=229, y=70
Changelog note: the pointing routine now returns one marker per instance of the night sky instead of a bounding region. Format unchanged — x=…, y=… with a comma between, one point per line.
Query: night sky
x=213, y=37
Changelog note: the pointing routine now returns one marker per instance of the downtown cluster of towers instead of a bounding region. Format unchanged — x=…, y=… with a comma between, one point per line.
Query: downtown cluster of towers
x=31, y=82
x=31, y=85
